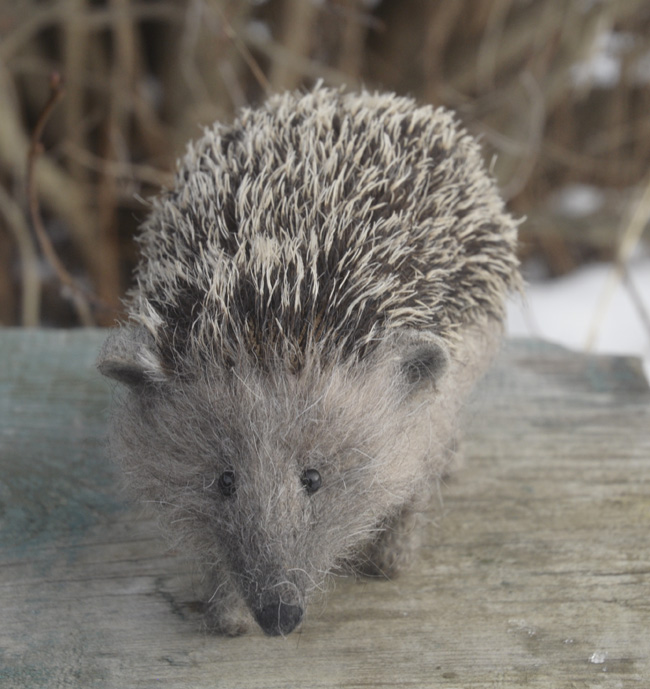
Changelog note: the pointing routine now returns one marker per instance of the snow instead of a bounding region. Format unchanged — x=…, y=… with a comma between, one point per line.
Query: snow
x=576, y=312
x=577, y=200
x=602, y=68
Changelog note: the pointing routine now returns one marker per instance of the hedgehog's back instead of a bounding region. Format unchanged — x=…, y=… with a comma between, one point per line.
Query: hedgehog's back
x=320, y=222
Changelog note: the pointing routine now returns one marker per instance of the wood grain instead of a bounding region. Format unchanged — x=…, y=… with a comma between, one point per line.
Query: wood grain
x=535, y=570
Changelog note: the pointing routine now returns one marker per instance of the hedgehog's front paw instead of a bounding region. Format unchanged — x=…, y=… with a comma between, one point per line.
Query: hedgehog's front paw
x=229, y=622
x=385, y=557
x=225, y=613
x=392, y=550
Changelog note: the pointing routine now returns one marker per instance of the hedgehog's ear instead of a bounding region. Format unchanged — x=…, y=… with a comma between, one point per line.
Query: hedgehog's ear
x=129, y=356
x=423, y=359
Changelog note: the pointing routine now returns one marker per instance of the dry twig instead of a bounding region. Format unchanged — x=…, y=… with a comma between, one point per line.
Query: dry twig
x=630, y=239
x=28, y=257
x=72, y=289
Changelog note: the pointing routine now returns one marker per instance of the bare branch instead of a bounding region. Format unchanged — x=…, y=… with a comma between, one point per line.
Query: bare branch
x=71, y=288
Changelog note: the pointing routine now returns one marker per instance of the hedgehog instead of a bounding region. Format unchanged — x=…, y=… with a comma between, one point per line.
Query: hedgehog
x=316, y=296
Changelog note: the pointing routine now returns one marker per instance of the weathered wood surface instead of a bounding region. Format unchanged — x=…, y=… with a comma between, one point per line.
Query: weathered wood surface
x=535, y=572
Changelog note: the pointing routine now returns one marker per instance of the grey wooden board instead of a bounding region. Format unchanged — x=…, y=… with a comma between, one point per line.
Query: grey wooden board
x=535, y=570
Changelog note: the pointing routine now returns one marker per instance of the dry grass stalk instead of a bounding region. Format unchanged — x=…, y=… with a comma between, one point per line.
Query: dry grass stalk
x=74, y=292
x=631, y=234
x=30, y=301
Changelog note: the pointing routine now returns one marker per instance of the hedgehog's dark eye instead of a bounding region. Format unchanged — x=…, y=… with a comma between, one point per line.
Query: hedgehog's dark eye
x=311, y=480
x=226, y=483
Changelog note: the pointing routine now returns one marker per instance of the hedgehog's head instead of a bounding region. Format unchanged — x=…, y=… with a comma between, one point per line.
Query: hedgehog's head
x=280, y=476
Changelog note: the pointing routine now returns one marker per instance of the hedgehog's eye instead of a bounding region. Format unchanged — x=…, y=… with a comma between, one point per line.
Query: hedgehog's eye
x=311, y=480
x=226, y=483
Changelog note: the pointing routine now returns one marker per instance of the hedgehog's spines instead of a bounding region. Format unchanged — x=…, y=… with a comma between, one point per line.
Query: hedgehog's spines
x=321, y=222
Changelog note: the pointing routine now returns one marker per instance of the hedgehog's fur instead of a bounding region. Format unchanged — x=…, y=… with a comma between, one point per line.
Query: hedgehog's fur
x=319, y=290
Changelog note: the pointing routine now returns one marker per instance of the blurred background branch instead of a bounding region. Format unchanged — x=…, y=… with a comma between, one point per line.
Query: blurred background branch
x=558, y=91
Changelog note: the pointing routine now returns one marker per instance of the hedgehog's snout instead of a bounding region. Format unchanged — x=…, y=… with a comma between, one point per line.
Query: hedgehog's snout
x=278, y=605
x=277, y=617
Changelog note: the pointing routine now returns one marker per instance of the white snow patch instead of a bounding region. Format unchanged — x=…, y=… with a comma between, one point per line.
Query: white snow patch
x=602, y=69
x=577, y=200
x=565, y=310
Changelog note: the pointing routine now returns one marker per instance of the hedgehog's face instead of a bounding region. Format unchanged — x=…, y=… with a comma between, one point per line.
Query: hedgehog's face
x=281, y=477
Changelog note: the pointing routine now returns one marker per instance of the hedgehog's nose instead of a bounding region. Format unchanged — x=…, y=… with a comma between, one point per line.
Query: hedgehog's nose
x=278, y=618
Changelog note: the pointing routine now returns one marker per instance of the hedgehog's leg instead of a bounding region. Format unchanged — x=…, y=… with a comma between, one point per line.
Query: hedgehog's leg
x=391, y=551
x=226, y=612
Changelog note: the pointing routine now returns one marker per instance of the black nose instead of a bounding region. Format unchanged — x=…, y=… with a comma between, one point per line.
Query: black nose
x=278, y=618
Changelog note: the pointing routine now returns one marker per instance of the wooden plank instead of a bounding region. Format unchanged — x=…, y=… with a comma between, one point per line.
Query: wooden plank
x=535, y=570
